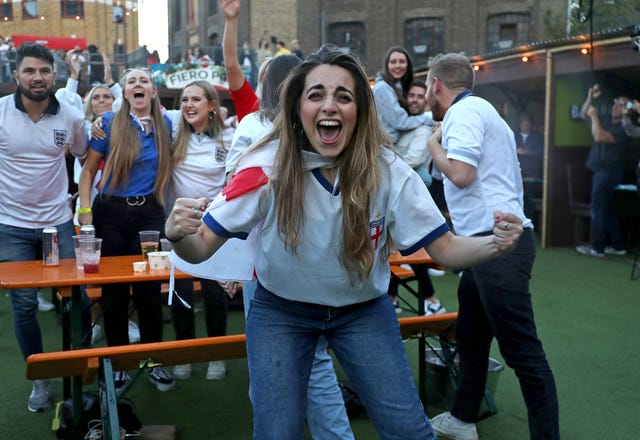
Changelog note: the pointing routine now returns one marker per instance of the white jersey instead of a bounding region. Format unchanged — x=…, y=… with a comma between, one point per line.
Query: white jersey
x=250, y=130
x=402, y=208
x=202, y=173
x=474, y=133
x=33, y=172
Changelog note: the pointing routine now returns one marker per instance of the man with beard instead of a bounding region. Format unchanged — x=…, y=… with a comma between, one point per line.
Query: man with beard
x=36, y=131
x=475, y=150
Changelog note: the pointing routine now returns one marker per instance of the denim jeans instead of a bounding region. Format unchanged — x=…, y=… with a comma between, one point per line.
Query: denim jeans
x=494, y=301
x=282, y=338
x=325, y=413
x=215, y=309
x=604, y=216
x=20, y=244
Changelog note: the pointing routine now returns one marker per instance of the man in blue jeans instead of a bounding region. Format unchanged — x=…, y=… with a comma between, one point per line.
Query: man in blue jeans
x=36, y=131
x=475, y=150
x=607, y=160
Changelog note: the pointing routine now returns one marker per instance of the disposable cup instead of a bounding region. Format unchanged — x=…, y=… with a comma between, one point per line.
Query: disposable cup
x=90, y=249
x=149, y=241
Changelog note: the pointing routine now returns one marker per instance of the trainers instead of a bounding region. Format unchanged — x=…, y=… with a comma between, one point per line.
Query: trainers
x=588, y=250
x=216, y=370
x=39, y=397
x=96, y=333
x=431, y=308
x=120, y=379
x=396, y=305
x=446, y=425
x=182, y=372
x=610, y=250
x=43, y=304
x=134, y=332
x=161, y=379
x=435, y=272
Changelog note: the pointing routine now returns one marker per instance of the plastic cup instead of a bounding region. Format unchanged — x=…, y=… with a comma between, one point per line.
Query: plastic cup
x=149, y=241
x=90, y=249
x=76, y=249
x=165, y=245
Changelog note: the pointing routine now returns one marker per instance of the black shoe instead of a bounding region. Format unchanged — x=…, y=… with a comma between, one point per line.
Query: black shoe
x=161, y=379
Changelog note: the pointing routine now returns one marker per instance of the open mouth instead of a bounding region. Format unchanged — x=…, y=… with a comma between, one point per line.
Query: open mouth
x=329, y=131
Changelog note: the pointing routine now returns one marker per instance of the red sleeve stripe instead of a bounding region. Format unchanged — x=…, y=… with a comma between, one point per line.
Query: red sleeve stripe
x=245, y=181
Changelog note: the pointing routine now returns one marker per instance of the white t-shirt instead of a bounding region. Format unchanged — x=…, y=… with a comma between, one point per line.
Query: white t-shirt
x=250, y=130
x=33, y=173
x=474, y=133
x=402, y=208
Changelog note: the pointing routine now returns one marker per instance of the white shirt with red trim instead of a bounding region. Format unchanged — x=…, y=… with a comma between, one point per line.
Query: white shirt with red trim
x=402, y=208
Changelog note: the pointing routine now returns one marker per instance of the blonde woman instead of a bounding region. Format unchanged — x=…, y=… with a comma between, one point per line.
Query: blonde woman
x=137, y=168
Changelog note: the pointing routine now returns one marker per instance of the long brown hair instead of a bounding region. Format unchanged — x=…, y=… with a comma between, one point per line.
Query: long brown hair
x=406, y=79
x=124, y=145
x=358, y=169
x=214, y=127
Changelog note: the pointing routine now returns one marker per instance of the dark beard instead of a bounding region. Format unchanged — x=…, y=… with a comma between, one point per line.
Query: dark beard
x=33, y=96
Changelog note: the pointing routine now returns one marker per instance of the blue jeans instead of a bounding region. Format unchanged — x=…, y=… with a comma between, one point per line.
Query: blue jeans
x=20, y=244
x=282, y=338
x=326, y=415
x=604, y=216
x=494, y=301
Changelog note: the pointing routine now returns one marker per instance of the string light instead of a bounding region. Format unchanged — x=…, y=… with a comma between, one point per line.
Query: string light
x=525, y=59
x=477, y=67
x=584, y=51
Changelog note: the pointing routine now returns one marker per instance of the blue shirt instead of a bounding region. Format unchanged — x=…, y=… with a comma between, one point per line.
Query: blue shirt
x=142, y=179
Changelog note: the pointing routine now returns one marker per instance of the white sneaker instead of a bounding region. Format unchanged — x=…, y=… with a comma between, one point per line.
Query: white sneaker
x=39, y=397
x=446, y=425
x=216, y=370
x=396, y=305
x=43, y=304
x=610, y=250
x=96, y=333
x=433, y=308
x=134, y=332
x=182, y=372
x=436, y=272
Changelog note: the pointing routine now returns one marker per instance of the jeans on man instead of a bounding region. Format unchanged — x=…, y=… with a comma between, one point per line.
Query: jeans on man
x=604, y=216
x=22, y=244
x=282, y=337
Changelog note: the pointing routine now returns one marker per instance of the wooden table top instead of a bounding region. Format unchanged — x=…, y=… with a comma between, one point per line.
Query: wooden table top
x=419, y=257
x=23, y=274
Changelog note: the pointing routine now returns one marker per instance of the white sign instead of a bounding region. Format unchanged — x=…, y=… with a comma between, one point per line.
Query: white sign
x=179, y=79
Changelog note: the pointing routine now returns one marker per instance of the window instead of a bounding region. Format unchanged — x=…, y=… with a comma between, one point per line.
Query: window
x=176, y=17
x=29, y=9
x=213, y=7
x=349, y=36
x=424, y=38
x=6, y=13
x=505, y=31
x=72, y=9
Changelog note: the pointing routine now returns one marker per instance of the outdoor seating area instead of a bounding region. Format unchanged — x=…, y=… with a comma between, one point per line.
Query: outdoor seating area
x=585, y=310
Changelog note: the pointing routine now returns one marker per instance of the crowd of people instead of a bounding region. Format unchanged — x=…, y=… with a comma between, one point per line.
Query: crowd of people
x=316, y=159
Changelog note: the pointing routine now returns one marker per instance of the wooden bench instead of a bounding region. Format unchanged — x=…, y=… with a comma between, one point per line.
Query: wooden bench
x=102, y=362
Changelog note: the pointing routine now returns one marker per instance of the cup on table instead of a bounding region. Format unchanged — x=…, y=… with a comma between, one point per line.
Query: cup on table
x=76, y=249
x=90, y=248
x=149, y=241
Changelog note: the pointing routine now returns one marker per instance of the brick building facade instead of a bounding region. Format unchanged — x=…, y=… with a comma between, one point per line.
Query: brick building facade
x=370, y=27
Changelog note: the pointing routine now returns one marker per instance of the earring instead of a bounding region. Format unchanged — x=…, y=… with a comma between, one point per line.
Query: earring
x=212, y=115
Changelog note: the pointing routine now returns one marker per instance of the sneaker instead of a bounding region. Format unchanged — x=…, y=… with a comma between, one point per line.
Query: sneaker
x=610, y=250
x=120, y=379
x=43, y=304
x=161, y=379
x=216, y=370
x=39, y=397
x=446, y=425
x=436, y=272
x=396, y=305
x=182, y=372
x=134, y=332
x=96, y=333
x=588, y=250
x=431, y=308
